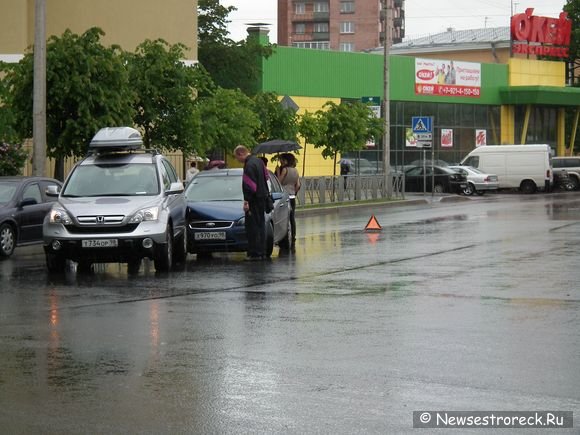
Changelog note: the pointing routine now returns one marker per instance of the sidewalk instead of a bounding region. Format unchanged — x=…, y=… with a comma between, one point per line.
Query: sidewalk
x=410, y=199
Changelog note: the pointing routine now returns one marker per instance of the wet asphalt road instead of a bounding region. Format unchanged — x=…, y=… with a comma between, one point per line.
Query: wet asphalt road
x=455, y=305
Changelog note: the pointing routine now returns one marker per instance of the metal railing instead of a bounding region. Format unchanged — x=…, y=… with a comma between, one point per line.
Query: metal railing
x=345, y=188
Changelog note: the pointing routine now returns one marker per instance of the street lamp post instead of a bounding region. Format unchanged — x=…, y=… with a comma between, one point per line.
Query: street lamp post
x=39, y=91
x=386, y=106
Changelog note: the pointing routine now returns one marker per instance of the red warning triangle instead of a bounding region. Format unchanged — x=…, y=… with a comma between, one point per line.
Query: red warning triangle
x=373, y=224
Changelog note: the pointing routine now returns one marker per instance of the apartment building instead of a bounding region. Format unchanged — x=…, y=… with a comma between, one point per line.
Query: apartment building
x=343, y=25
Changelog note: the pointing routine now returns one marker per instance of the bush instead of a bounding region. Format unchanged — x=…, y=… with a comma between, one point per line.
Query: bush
x=12, y=159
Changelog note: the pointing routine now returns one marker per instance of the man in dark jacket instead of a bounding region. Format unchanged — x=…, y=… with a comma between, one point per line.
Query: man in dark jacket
x=255, y=189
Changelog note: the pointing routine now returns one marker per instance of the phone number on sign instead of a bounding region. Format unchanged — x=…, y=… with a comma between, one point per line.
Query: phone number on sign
x=451, y=91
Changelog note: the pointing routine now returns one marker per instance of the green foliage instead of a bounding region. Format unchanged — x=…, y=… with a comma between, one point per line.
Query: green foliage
x=346, y=128
x=572, y=7
x=235, y=65
x=228, y=119
x=7, y=132
x=165, y=96
x=12, y=159
x=87, y=88
x=276, y=121
x=212, y=22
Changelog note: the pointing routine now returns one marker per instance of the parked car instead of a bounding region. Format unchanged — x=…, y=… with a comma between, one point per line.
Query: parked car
x=119, y=204
x=477, y=181
x=215, y=215
x=356, y=166
x=445, y=180
x=571, y=167
x=23, y=206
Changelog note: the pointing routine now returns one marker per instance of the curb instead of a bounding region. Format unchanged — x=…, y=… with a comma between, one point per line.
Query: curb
x=345, y=207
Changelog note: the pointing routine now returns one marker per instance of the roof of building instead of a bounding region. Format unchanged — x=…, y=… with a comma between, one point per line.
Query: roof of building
x=452, y=40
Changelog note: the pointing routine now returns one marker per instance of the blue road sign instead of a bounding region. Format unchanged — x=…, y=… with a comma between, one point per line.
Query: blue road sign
x=422, y=124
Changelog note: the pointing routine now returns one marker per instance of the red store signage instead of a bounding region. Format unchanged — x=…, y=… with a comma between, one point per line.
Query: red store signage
x=531, y=32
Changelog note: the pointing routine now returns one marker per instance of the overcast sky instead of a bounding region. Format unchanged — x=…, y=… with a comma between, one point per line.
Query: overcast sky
x=422, y=17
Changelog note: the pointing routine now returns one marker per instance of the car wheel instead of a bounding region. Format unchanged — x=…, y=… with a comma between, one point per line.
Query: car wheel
x=269, y=240
x=286, y=242
x=469, y=189
x=528, y=187
x=133, y=266
x=164, y=253
x=438, y=188
x=55, y=263
x=7, y=240
x=180, y=248
x=573, y=184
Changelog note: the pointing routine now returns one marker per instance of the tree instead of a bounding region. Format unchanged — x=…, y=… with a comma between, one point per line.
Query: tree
x=7, y=132
x=276, y=121
x=87, y=89
x=165, y=90
x=232, y=65
x=228, y=119
x=310, y=128
x=346, y=127
x=572, y=7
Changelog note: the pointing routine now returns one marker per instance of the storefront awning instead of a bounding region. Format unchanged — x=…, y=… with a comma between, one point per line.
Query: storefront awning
x=542, y=95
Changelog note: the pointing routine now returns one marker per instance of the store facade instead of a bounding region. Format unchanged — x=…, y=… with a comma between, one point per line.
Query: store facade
x=523, y=101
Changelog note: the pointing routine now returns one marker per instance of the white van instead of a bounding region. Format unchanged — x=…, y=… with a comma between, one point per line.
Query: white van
x=524, y=167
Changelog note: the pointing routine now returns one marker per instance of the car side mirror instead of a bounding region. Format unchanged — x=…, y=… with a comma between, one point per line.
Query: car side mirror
x=28, y=201
x=175, y=188
x=52, y=190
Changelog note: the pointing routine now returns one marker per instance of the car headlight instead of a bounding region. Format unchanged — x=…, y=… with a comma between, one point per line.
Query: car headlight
x=241, y=222
x=146, y=214
x=59, y=216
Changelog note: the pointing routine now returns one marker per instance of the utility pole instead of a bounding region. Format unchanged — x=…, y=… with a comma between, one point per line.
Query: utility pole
x=39, y=90
x=386, y=102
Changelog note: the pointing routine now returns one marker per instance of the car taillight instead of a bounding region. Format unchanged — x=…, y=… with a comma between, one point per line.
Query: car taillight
x=547, y=173
x=486, y=179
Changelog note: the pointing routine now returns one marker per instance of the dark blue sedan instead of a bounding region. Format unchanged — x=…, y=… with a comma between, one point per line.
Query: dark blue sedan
x=215, y=215
x=23, y=205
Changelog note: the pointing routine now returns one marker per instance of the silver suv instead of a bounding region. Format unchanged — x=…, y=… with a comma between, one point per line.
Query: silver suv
x=119, y=204
x=571, y=165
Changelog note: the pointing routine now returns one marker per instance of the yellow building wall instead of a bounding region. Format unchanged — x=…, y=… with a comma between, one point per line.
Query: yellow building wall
x=526, y=72
x=126, y=23
x=316, y=165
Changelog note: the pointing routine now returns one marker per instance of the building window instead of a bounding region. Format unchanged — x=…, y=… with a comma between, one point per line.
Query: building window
x=321, y=7
x=299, y=8
x=320, y=27
x=346, y=46
x=347, y=7
x=300, y=28
x=314, y=44
x=347, y=27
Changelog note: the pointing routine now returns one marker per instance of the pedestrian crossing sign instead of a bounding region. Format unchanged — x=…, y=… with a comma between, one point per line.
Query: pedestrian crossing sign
x=422, y=124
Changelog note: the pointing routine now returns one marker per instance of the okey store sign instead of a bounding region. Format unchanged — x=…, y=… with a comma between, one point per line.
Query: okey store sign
x=541, y=36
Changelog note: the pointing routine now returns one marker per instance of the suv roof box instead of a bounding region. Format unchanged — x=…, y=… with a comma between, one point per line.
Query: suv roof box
x=116, y=139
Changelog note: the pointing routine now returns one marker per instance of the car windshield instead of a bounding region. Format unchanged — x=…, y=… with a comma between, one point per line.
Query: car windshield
x=134, y=179
x=218, y=188
x=7, y=191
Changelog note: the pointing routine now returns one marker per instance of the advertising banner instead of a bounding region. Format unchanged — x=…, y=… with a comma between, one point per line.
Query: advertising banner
x=447, y=78
x=480, y=138
x=446, y=138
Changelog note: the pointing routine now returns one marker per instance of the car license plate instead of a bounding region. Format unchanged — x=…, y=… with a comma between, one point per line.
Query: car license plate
x=463, y=185
x=210, y=235
x=100, y=243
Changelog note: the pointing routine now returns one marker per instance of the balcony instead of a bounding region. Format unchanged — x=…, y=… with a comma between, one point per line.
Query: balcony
x=320, y=16
x=320, y=36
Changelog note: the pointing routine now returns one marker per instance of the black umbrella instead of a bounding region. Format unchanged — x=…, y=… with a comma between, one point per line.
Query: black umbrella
x=276, y=146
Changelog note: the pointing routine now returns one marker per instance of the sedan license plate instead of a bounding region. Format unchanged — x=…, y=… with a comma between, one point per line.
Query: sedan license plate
x=211, y=235
x=100, y=243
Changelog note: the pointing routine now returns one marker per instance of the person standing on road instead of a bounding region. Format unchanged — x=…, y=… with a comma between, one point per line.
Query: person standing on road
x=290, y=181
x=255, y=190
